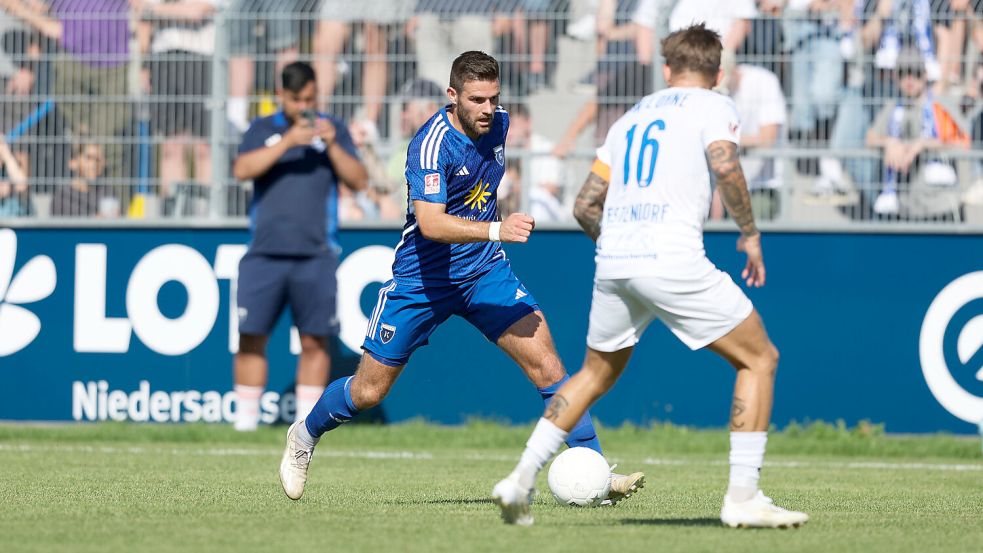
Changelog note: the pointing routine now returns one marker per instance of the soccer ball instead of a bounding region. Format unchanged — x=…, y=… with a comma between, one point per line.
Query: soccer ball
x=580, y=477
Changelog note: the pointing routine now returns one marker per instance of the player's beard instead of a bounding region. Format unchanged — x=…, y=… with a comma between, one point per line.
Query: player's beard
x=471, y=125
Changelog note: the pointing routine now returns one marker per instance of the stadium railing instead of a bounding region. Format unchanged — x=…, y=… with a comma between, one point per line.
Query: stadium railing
x=133, y=117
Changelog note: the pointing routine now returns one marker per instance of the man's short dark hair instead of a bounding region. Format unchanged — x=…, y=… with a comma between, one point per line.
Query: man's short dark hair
x=694, y=49
x=296, y=75
x=473, y=66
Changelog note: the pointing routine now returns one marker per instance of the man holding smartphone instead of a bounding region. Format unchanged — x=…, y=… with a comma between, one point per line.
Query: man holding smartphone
x=296, y=159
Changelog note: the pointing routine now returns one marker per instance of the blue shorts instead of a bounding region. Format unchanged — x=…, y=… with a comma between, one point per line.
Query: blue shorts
x=407, y=314
x=268, y=283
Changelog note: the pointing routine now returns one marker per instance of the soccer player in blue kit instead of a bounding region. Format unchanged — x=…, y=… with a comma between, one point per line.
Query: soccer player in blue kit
x=449, y=262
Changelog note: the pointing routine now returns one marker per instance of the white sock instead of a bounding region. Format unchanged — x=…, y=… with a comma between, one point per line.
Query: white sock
x=545, y=441
x=247, y=407
x=237, y=110
x=747, y=454
x=307, y=397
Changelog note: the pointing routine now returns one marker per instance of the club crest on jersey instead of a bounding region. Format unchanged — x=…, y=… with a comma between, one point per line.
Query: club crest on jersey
x=386, y=333
x=500, y=154
x=431, y=183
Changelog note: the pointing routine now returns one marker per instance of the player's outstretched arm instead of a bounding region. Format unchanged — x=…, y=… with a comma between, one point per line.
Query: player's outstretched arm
x=588, y=209
x=725, y=165
x=437, y=225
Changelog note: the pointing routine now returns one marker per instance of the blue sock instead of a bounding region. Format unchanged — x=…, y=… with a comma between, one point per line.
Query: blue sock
x=582, y=434
x=334, y=408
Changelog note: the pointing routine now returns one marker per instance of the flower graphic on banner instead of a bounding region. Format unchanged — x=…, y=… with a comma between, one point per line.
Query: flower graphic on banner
x=33, y=282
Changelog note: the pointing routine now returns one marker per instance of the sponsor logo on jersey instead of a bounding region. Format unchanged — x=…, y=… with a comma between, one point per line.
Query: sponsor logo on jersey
x=519, y=294
x=386, y=332
x=431, y=183
x=478, y=196
x=463, y=172
x=500, y=154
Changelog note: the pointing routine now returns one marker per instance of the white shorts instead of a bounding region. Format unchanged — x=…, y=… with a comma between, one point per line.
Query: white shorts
x=699, y=304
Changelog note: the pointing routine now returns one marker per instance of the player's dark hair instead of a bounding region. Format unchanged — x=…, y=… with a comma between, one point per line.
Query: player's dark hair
x=694, y=49
x=473, y=66
x=296, y=75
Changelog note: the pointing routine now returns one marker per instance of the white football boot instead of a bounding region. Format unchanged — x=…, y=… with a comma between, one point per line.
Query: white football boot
x=293, y=466
x=623, y=486
x=759, y=512
x=513, y=500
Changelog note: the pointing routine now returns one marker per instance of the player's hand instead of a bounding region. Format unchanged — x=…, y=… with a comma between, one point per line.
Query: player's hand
x=754, y=272
x=300, y=134
x=516, y=228
x=325, y=129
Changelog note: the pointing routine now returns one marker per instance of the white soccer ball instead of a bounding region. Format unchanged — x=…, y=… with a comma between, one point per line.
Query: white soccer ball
x=580, y=477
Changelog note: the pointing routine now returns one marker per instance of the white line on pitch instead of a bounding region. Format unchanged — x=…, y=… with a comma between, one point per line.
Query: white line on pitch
x=426, y=455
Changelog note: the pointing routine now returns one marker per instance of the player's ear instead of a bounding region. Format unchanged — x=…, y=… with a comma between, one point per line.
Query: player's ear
x=720, y=78
x=667, y=74
x=452, y=95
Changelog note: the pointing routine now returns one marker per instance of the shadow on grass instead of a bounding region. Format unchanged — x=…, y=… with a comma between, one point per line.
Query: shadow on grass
x=671, y=522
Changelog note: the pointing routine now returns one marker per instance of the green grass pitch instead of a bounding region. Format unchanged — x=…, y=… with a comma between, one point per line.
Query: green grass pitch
x=420, y=487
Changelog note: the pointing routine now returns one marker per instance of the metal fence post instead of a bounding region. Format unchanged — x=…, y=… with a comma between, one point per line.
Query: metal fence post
x=218, y=134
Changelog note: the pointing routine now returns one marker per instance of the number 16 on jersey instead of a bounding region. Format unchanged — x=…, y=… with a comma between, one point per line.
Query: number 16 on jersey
x=648, y=151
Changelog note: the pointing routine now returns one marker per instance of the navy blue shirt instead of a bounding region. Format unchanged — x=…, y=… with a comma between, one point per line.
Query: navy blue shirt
x=444, y=166
x=294, y=210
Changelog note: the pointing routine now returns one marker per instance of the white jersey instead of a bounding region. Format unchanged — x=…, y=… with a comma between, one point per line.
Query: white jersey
x=659, y=193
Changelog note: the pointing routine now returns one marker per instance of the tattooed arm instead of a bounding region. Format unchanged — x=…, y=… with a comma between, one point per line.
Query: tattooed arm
x=589, y=206
x=726, y=168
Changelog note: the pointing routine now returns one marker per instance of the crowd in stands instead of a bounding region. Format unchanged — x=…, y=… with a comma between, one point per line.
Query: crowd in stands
x=875, y=105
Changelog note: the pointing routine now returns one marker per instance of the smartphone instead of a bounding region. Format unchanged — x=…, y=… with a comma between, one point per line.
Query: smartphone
x=310, y=115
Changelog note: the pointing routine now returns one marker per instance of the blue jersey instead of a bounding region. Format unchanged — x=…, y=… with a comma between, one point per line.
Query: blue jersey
x=444, y=166
x=294, y=209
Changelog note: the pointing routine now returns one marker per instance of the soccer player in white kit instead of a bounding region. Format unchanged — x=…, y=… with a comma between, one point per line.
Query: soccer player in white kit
x=645, y=203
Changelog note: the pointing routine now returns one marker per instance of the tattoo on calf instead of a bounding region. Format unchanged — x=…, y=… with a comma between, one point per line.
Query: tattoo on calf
x=736, y=410
x=556, y=407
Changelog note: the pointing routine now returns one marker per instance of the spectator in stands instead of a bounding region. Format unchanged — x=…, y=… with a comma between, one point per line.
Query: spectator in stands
x=180, y=52
x=621, y=77
x=952, y=19
x=86, y=194
x=443, y=29
x=257, y=26
x=420, y=100
x=914, y=132
x=18, y=74
x=534, y=167
x=377, y=201
x=530, y=27
x=761, y=108
x=14, y=199
x=811, y=30
x=95, y=36
x=338, y=20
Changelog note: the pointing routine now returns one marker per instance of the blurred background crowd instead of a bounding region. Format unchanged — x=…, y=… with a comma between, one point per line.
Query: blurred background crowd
x=852, y=110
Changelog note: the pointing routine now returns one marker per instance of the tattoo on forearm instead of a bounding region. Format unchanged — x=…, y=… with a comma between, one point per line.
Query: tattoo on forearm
x=589, y=206
x=556, y=407
x=736, y=410
x=726, y=167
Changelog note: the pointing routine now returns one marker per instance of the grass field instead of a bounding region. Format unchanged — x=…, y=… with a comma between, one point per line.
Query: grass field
x=418, y=487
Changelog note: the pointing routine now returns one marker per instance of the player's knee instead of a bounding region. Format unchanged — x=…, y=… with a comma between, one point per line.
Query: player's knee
x=252, y=344
x=767, y=362
x=312, y=344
